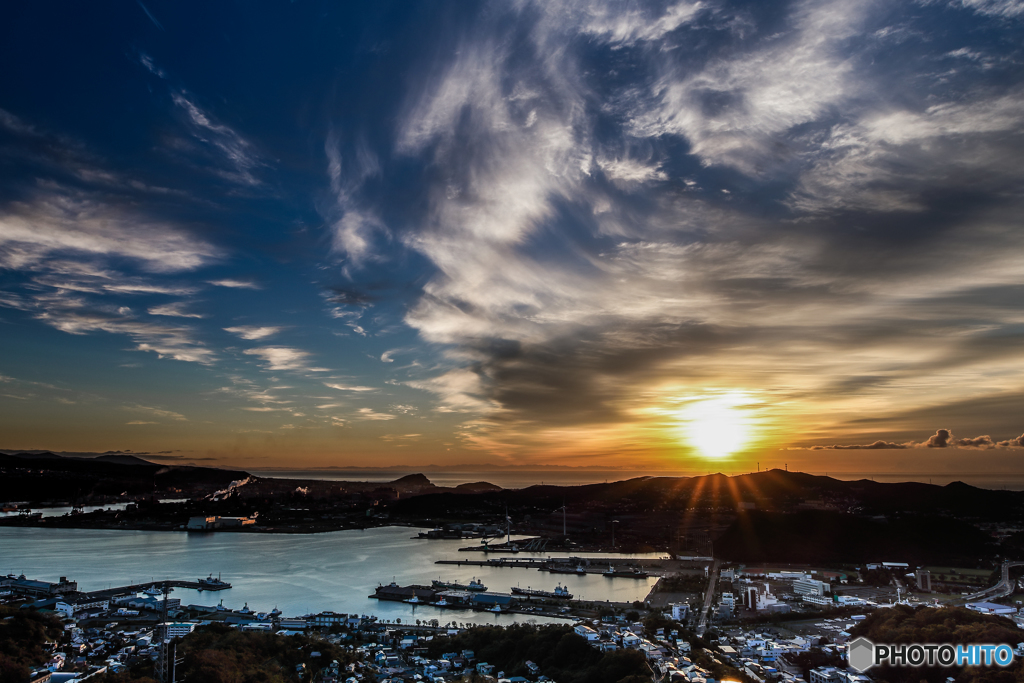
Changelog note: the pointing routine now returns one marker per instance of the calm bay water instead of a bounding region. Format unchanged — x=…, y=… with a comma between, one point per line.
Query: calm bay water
x=297, y=573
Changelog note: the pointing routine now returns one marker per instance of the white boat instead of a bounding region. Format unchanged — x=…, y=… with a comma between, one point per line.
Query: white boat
x=213, y=584
x=153, y=590
x=496, y=608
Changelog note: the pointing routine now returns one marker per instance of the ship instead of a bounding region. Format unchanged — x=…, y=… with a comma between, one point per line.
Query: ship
x=563, y=569
x=212, y=584
x=634, y=573
x=476, y=585
x=560, y=593
x=153, y=590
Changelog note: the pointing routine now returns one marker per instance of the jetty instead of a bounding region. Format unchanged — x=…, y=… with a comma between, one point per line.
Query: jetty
x=200, y=585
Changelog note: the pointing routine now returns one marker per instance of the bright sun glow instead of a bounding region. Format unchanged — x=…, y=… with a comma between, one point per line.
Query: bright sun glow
x=718, y=426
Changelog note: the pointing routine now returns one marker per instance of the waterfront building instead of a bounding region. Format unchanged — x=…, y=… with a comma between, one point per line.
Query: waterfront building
x=217, y=522
x=75, y=606
x=20, y=585
x=328, y=619
x=490, y=599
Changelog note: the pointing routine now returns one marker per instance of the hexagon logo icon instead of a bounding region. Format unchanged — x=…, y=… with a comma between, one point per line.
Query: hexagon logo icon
x=860, y=654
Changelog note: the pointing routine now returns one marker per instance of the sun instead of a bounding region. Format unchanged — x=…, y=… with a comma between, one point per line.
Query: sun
x=718, y=426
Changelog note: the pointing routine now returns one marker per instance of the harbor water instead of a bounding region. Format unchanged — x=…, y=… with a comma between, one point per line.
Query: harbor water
x=297, y=573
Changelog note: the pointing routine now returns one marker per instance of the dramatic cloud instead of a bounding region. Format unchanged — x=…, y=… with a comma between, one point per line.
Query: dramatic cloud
x=566, y=298
x=942, y=438
x=560, y=227
x=1017, y=442
x=875, y=445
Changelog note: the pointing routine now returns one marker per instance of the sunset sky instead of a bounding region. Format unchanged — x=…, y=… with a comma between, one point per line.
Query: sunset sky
x=675, y=236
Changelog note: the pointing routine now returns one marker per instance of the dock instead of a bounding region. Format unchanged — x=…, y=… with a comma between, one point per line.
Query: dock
x=560, y=565
x=526, y=563
x=108, y=593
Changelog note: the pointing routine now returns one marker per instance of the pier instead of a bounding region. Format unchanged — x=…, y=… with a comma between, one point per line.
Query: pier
x=528, y=563
x=108, y=593
x=560, y=565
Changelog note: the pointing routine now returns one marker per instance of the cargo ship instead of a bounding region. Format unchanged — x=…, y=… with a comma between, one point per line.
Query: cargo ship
x=474, y=585
x=560, y=593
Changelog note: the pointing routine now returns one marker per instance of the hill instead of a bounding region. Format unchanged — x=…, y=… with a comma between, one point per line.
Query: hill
x=955, y=625
x=38, y=477
x=813, y=536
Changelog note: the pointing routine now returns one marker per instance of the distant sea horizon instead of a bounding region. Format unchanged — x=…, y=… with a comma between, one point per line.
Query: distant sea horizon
x=518, y=478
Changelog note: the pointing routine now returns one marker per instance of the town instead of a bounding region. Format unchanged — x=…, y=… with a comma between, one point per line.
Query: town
x=706, y=623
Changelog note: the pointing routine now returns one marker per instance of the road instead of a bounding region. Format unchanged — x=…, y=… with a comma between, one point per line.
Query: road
x=708, y=595
x=1001, y=589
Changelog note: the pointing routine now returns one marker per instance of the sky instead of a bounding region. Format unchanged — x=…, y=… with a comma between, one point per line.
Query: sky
x=654, y=235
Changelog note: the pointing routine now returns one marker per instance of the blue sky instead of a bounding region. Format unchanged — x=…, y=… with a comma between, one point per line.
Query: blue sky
x=310, y=234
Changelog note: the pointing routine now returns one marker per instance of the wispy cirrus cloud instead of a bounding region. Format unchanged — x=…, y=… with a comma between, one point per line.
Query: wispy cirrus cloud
x=370, y=414
x=71, y=251
x=253, y=332
x=567, y=297
x=233, y=283
x=354, y=223
x=61, y=222
x=347, y=387
x=284, y=358
x=222, y=141
x=156, y=412
x=177, y=343
x=176, y=309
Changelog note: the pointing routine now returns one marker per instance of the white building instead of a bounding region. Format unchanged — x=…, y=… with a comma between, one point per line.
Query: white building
x=810, y=587
x=990, y=608
x=180, y=629
x=70, y=608
x=817, y=600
